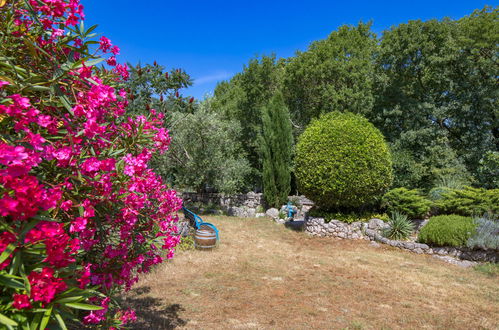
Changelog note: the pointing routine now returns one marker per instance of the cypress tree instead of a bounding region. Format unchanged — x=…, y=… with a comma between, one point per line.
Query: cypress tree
x=276, y=143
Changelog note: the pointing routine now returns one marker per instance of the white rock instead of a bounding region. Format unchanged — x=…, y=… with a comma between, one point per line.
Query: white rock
x=273, y=213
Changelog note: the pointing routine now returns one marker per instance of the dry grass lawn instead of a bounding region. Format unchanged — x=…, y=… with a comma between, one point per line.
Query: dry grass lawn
x=264, y=276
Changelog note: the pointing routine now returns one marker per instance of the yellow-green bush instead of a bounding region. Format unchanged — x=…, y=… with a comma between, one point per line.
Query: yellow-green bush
x=469, y=202
x=342, y=161
x=448, y=230
x=407, y=201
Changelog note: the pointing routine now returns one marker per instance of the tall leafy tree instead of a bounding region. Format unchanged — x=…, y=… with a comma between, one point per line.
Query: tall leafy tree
x=437, y=96
x=242, y=98
x=334, y=74
x=276, y=143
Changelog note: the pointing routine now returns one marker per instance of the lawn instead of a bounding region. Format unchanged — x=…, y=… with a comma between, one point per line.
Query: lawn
x=264, y=276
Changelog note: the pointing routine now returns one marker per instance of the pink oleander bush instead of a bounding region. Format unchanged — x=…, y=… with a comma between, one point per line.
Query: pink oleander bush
x=81, y=213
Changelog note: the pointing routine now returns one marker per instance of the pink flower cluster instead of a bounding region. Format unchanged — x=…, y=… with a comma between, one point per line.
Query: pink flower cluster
x=83, y=174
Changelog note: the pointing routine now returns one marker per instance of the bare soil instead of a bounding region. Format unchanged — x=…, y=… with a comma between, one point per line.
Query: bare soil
x=264, y=276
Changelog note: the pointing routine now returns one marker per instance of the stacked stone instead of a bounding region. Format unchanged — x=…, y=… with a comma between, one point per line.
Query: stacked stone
x=334, y=228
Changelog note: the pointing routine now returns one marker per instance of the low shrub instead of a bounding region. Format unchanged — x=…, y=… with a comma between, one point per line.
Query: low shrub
x=489, y=269
x=347, y=217
x=487, y=234
x=400, y=227
x=469, y=202
x=448, y=230
x=186, y=244
x=409, y=202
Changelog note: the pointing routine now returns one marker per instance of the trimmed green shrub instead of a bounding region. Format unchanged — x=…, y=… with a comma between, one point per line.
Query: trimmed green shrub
x=487, y=234
x=342, y=161
x=469, y=202
x=448, y=230
x=400, y=227
x=409, y=202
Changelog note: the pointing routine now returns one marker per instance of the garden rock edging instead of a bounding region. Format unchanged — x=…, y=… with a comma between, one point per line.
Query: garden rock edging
x=371, y=230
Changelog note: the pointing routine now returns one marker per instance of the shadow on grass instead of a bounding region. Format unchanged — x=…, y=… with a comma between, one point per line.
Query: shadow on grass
x=151, y=312
x=298, y=225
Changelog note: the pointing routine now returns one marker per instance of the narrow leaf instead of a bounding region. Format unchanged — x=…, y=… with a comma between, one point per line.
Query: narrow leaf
x=85, y=307
x=5, y=320
x=7, y=252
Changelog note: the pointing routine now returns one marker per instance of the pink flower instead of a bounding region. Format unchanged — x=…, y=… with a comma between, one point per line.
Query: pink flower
x=111, y=61
x=79, y=224
x=90, y=165
x=44, y=120
x=3, y=83
x=105, y=44
x=127, y=316
x=44, y=286
x=66, y=205
x=21, y=301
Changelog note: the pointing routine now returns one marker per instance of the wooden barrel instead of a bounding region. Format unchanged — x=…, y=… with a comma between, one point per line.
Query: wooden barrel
x=205, y=238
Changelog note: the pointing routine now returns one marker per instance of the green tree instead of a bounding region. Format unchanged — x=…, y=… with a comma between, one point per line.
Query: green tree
x=205, y=152
x=151, y=86
x=334, y=74
x=242, y=99
x=437, y=96
x=276, y=143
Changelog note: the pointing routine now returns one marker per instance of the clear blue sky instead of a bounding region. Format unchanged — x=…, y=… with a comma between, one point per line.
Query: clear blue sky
x=212, y=40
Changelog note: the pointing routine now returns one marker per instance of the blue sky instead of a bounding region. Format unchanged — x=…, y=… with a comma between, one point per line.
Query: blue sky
x=212, y=40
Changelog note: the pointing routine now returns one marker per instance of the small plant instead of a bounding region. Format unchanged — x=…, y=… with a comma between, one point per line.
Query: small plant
x=409, y=202
x=489, y=269
x=400, y=227
x=260, y=209
x=282, y=215
x=448, y=230
x=487, y=234
x=186, y=244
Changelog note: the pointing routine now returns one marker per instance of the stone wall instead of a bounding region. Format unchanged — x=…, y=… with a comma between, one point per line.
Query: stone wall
x=372, y=231
x=242, y=205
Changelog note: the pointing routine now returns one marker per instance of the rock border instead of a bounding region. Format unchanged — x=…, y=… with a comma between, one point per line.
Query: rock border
x=371, y=231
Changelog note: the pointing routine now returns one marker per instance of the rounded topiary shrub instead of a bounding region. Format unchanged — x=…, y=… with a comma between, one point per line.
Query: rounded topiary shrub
x=342, y=161
x=448, y=230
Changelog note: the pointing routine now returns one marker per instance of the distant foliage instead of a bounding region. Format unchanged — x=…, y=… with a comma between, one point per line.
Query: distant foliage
x=342, y=161
x=400, y=227
x=436, y=124
x=408, y=202
x=488, y=171
x=487, y=234
x=334, y=74
x=448, y=230
x=469, y=202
